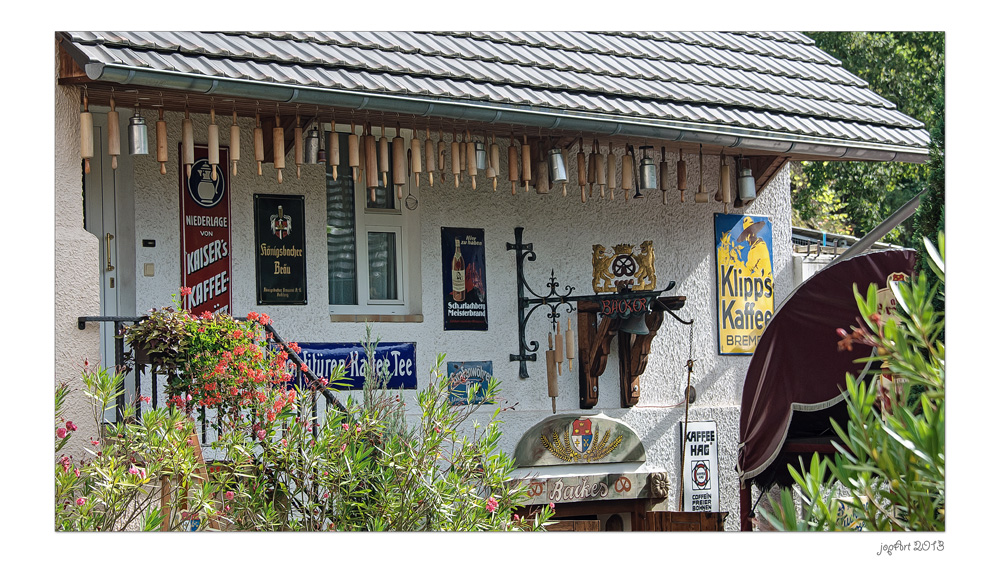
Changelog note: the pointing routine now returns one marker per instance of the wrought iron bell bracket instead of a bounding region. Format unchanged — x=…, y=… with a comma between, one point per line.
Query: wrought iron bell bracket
x=594, y=340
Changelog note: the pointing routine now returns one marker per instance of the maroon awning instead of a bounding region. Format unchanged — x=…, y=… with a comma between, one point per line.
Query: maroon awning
x=797, y=366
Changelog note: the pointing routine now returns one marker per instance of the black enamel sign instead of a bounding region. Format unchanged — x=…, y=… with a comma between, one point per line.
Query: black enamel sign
x=280, y=248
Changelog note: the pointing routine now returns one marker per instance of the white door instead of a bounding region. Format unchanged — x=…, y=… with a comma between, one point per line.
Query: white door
x=107, y=212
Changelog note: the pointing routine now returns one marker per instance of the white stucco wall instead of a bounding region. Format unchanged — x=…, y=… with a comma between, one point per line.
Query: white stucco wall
x=562, y=231
x=77, y=292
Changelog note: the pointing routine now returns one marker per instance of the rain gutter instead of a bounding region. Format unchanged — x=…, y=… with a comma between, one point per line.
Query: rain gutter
x=737, y=138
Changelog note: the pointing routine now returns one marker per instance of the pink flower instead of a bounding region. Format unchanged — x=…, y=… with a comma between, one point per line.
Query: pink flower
x=81, y=501
x=76, y=472
x=261, y=434
x=491, y=504
x=65, y=462
x=61, y=432
x=344, y=426
x=145, y=399
x=229, y=495
x=342, y=447
x=71, y=426
x=95, y=443
x=185, y=291
x=552, y=505
x=517, y=517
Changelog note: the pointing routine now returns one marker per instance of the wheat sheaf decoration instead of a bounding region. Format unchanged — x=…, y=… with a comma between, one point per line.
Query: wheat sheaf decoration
x=567, y=451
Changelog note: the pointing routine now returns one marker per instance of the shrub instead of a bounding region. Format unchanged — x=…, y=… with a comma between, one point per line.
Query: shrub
x=118, y=485
x=367, y=465
x=367, y=468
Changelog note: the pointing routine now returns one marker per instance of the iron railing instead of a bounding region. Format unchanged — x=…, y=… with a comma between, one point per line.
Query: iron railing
x=135, y=372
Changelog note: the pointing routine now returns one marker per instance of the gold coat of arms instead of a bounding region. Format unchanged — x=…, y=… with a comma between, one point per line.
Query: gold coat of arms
x=624, y=268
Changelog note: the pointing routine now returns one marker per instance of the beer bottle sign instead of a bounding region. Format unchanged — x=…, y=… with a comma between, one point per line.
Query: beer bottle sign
x=463, y=278
x=458, y=273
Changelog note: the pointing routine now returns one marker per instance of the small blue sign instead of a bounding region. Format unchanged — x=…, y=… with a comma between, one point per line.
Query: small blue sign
x=398, y=359
x=462, y=375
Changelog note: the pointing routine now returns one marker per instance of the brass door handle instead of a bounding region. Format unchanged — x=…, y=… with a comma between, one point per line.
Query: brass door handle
x=107, y=249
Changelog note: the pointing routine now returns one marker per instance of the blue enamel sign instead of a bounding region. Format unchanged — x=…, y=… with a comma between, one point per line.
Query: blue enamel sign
x=463, y=375
x=398, y=359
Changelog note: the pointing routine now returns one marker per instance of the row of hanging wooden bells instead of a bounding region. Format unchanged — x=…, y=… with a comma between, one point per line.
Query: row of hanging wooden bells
x=468, y=157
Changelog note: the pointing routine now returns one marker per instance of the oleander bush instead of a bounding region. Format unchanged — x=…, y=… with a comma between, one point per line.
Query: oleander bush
x=117, y=485
x=892, y=463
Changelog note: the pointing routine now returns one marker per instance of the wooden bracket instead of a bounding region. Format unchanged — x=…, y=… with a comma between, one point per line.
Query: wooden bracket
x=70, y=71
x=594, y=345
x=633, y=353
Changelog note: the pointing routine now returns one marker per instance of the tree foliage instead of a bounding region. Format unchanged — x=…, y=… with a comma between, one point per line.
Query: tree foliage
x=907, y=69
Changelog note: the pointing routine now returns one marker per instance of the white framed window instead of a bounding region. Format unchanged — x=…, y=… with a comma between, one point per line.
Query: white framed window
x=373, y=247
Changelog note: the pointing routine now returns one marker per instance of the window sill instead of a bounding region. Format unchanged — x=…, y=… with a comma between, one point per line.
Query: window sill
x=376, y=318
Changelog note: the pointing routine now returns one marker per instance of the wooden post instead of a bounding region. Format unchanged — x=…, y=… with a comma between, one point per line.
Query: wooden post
x=200, y=472
x=745, y=507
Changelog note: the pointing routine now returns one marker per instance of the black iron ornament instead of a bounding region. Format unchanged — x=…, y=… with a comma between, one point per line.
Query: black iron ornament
x=620, y=305
x=526, y=350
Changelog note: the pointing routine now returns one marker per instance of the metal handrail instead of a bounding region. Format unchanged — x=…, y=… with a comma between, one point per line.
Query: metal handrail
x=305, y=378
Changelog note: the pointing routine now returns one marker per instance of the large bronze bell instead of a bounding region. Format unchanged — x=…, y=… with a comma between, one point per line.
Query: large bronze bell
x=634, y=324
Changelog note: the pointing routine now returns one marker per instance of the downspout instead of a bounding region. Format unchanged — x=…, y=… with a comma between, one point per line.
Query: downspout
x=866, y=242
x=526, y=115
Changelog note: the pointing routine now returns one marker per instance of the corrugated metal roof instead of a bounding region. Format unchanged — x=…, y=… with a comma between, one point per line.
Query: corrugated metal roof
x=776, y=83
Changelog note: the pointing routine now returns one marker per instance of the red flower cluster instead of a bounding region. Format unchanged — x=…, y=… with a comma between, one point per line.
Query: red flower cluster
x=857, y=336
x=227, y=365
x=261, y=318
x=237, y=372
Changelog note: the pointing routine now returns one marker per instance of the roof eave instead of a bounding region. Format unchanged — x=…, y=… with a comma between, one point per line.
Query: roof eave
x=801, y=146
